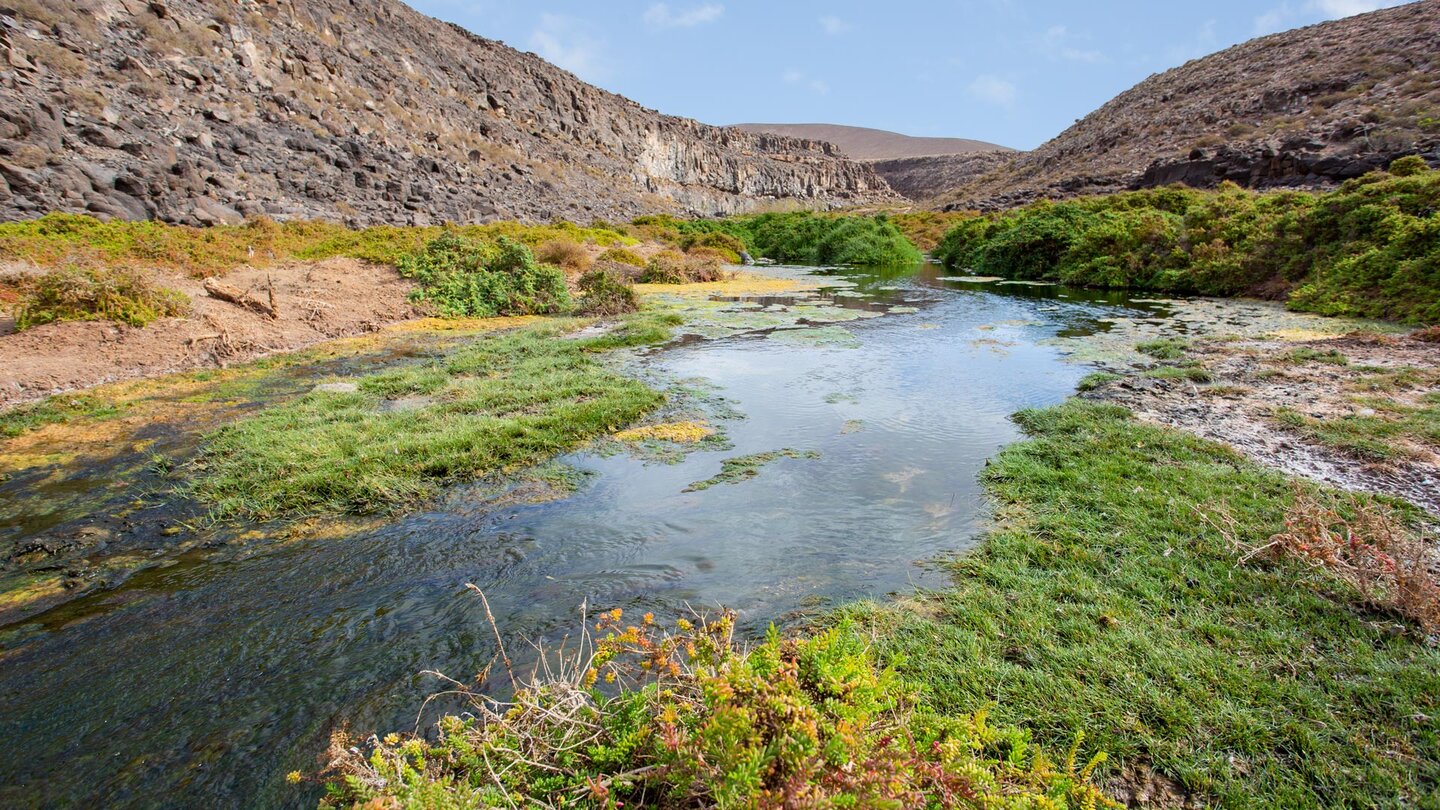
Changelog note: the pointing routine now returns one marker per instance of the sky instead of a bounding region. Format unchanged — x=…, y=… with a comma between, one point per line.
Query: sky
x=1012, y=72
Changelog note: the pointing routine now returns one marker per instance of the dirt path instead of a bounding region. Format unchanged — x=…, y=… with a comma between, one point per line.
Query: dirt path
x=1358, y=412
x=316, y=301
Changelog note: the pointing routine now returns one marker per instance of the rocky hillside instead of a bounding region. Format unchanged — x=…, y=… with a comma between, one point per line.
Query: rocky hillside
x=202, y=111
x=862, y=143
x=928, y=176
x=1309, y=107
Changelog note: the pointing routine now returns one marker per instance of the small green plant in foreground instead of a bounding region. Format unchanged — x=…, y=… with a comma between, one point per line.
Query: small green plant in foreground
x=693, y=720
x=1118, y=596
x=465, y=277
x=96, y=294
x=502, y=402
x=743, y=468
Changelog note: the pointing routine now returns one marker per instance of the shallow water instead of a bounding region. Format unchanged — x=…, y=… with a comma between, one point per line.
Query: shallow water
x=202, y=683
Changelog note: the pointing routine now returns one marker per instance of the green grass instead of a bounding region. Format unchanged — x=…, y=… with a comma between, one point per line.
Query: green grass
x=53, y=410
x=1305, y=354
x=1370, y=248
x=1375, y=437
x=96, y=294
x=1164, y=348
x=1096, y=379
x=503, y=402
x=1102, y=602
x=1191, y=373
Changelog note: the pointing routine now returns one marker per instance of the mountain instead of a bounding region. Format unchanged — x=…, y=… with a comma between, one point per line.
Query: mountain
x=202, y=111
x=1305, y=108
x=861, y=143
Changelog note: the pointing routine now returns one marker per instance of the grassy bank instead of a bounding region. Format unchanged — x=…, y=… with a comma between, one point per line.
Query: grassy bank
x=1109, y=600
x=1370, y=248
x=395, y=438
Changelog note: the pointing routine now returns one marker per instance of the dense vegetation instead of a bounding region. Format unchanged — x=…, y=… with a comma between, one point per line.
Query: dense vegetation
x=1113, y=599
x=466, y=277
x=810, y=722
x=1370, y=248
x=505, y=401
x=797, y=238
x=62, y=239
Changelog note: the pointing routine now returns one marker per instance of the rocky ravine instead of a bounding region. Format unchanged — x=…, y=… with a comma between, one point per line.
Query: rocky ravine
x=204, y=112
x=1305, y=108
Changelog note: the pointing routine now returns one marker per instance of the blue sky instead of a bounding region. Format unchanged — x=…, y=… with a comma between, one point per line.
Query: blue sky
x=1014, y=72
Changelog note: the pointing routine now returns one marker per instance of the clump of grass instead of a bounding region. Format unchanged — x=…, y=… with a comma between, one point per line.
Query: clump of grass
x=508, y=400
x=1104, y=601
x=1164, y=348
x=605, y=293
x=697, y=721
x=1193, y=373
x=97, y=294
x=1307, y=354
x=464, y=277
x=743, y=468
x=53, y=410
x=1095, y=380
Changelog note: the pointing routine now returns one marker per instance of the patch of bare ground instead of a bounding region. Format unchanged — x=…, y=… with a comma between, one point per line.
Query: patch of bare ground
x=314, y=301
x=1355, y=411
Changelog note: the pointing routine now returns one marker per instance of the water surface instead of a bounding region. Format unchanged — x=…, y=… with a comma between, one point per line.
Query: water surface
x=202, y=682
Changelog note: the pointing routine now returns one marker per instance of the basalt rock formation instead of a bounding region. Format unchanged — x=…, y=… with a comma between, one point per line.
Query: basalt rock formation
x=205, y=111
x=925, y=177
x=1310, y=107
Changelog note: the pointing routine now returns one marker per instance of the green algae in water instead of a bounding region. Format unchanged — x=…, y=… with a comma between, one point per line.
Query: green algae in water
x=743, y=468
x=834, y=337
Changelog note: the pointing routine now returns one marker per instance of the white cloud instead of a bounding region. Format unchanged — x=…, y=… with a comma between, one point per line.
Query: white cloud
x=564, y=41
x=798, y=78
x=1348, y=8
x=660, y=16
x=1058, y=43
x=993, y=90
x=833, y=25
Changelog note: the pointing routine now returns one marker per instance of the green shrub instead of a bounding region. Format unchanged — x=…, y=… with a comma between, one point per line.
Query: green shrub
x=800, y=722
x=665, y=267
x=726, y=246
x=1370, y=248
x=463, y=277
x=605, y=293
x=801, y=237
x=1408, y=166
x=97, y=294
x=620, y=255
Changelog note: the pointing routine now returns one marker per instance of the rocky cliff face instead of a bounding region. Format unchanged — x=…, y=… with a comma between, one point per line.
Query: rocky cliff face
x=926, y=177
x=1306, y=108
x=363, y=111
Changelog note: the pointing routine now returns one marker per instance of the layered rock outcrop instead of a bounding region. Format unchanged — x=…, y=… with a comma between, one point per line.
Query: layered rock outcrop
x=364, y=112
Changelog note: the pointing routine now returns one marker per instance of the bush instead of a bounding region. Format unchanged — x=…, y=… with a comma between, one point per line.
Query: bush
x=1408, y=166
x=674, y=267
x=621, y=255
x=462, y=277
x=722, y=245
x=805, y=722
x=606, y=293
x=97, y=294
x=566, y=253
x=797, y=238
x=1370, y=248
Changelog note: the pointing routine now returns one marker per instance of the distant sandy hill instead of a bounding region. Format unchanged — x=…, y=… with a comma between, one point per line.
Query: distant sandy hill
x=861, y=143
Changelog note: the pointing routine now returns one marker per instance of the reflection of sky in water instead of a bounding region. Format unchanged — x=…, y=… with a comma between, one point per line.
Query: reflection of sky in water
x=203, y=684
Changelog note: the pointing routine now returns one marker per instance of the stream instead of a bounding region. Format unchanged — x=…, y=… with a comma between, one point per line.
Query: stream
x=202, y=682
